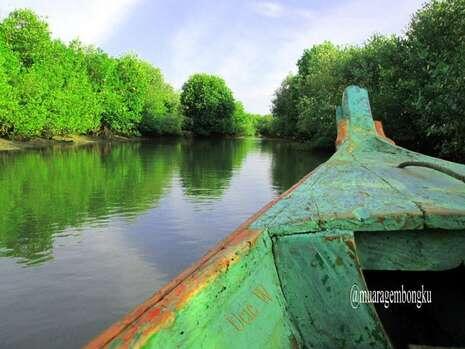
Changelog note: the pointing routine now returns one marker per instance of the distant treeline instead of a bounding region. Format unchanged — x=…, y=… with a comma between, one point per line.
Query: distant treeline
x=50, y=88
x=416, y=85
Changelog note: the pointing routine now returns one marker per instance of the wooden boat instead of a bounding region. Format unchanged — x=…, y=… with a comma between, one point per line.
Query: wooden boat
x=284, y=278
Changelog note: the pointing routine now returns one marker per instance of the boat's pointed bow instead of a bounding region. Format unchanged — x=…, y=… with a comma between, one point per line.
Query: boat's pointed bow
x=354, y=118
x=356, y=108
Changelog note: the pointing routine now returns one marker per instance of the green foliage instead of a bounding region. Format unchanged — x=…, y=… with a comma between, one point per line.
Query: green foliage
x=161, y=113
x=304, y=104
x=54, y=97
x=71, y=104
x=49, y=88
x=32, y=90
x=27, y=35
x=123, y=96
x=320, y=83
x=285, y=108
x=415, y=84
x=9, y=70
x=208, y=105
x=243, y=122
x=434, y=75
x=266, y=125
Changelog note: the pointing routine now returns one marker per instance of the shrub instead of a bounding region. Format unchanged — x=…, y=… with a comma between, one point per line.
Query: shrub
x=208, y=104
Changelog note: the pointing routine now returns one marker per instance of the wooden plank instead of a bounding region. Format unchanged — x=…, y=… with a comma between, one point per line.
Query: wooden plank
x=440, y=197
x=317, y=272
x=356, y=106
x=411, y=250
x=361, y=188
x=342, y=195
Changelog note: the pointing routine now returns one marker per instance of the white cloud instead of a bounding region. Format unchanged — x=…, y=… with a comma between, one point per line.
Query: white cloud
x=269, y=9
x=276, y=10
x=187, y=53
x=351, y=23
x=234, y=59
x=254, y=65
x=93, y=21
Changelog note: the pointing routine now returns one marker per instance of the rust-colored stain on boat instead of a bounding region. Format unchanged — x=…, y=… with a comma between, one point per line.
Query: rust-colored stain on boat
x=341, y=131
x=158, y=311
x=380, y=131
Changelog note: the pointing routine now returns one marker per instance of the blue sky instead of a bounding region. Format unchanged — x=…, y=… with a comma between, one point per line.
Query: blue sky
x=252, y=44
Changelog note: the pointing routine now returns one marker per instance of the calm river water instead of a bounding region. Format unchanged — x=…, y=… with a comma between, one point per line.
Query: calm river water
x=88, y=233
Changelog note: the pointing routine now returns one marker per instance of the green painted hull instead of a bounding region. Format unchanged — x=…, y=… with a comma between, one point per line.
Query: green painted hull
x=283, y=278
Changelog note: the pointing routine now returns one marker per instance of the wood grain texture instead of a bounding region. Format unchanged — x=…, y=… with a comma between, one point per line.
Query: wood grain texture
x=317, y=273
x=411, y=250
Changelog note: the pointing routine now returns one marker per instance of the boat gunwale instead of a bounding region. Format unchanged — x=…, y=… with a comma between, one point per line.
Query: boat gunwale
x=233, y=239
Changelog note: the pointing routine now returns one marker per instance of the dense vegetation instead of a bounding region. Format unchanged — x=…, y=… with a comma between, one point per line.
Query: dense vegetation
x=50, y=88
x=208, y=104
x=415, y=82
x=210, y=108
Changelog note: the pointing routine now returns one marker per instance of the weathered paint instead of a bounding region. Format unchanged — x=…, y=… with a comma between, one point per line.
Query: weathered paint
x=317, y=272
x=243, y=300
x=300, y=248
x=364, y=174
x=342, y=127
x=356, y=106
x=223, y=307
x=159, y=310
x=413, y=250
x=380, y=131
x=241, y=239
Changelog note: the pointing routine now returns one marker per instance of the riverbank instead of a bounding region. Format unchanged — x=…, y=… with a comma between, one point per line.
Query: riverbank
x=8, y=145
x=73, y=140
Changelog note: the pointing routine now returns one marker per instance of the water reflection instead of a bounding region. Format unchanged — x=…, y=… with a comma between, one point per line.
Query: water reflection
x=208, y=164
x=96, y=230
x=290, y=162
x=45, y=192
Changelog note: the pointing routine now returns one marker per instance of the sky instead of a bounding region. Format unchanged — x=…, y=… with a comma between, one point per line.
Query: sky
x=252, y=44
